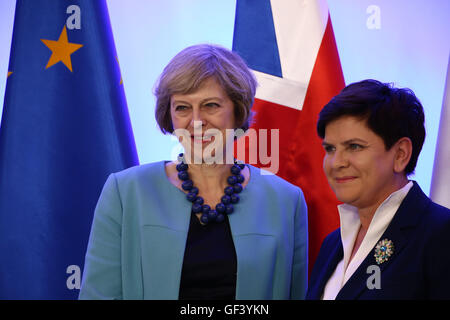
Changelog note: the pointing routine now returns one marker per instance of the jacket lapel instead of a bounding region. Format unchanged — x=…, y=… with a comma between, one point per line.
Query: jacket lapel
x=398, y=231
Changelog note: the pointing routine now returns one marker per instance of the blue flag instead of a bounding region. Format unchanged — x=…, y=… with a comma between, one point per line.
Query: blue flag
x=65, y=128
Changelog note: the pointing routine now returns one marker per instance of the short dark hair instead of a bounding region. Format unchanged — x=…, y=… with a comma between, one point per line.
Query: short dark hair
x=391, y=113
x=186, y=72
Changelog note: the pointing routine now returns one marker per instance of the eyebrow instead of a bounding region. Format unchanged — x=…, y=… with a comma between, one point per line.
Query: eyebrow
x=346, y=142
x=201, y=101
x=172, y=102
x=211, y=99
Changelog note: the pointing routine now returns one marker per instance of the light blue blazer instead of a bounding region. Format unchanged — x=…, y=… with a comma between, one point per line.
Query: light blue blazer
x=140, y=227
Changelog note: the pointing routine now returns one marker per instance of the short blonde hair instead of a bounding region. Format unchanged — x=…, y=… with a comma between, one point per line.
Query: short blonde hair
x=191, y=67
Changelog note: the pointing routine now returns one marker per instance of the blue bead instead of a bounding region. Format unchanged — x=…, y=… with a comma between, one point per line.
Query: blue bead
x=220, y=207
x=187, y=185
x=237, y=188
x=181, y=157
x=191, y=196
x=204, y=218
x=199, y=200
x=183, y=175
x=182, y=167
x=206, y=208
x=196, y=208
x=232, y=180
x=212, y=215
x=229, y=191
x=220, y=218
x=225, y=199
x=229, y=209
x=235, y=169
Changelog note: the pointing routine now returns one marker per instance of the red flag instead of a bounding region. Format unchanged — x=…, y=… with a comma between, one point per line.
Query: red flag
x=291, y=47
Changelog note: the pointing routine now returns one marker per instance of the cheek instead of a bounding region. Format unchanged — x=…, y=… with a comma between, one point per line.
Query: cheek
x=178, y=122
x=326, y=166
x=232, y=118
x=378, y=165
x=224, y=119
x=228, y=118
x=172, y=119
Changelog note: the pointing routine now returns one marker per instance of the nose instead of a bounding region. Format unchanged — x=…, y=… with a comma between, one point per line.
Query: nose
x=196, y=124
x=339, y=159
x=197, y=121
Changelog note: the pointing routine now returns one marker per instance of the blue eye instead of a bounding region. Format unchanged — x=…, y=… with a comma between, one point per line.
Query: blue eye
x=212, y=104
x=180, y=108
x=355, y=146
x=328, y=148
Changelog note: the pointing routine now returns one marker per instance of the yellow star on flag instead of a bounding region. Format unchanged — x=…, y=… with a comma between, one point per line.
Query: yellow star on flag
x=9, y=73
x=61, y=50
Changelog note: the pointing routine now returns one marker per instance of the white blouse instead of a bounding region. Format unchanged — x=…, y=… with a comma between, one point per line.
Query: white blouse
x=350, y=224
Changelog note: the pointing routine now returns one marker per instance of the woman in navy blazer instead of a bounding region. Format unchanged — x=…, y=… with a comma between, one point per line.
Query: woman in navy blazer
x=203, y=226
x=393, y=241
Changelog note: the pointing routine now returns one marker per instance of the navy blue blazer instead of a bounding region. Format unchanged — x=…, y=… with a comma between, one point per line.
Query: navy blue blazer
x=419, y=268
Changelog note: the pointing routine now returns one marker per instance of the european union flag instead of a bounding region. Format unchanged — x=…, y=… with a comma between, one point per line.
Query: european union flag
x=65, y=128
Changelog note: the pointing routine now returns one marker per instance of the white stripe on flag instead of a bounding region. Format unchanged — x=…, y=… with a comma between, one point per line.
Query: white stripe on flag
x=296, y=22
x=299, y=22
x=280, y=90
x=440, y=183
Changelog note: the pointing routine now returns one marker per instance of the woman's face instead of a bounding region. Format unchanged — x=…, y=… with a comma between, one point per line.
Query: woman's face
x=358, y=167
x=204, y=115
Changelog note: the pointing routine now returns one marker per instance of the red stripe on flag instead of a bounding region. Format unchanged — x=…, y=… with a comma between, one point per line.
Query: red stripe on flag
x=326, y=81
x=300, y=149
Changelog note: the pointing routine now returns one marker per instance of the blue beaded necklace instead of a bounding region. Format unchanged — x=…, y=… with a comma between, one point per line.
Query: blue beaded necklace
x=228, y=199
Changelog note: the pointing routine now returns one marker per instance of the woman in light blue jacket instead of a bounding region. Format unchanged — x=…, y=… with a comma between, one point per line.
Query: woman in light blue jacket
x=201, y=227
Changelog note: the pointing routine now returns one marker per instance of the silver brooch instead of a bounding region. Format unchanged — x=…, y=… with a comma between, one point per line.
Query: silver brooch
x=383, y=250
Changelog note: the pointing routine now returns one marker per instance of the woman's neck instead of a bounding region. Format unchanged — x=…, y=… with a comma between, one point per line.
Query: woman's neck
x=209, y=176
x=366, y=213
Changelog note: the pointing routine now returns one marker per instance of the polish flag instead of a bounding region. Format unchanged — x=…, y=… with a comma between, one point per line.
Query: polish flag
x=290, y=46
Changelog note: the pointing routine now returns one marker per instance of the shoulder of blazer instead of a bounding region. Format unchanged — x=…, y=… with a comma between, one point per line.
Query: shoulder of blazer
x=417, y=208
x=330, y=244
x=440, y=215
x=143, y=177
x=435, y=223
x=143, y=170
x=269, y=182
x=332, y=237
x=149, y=184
